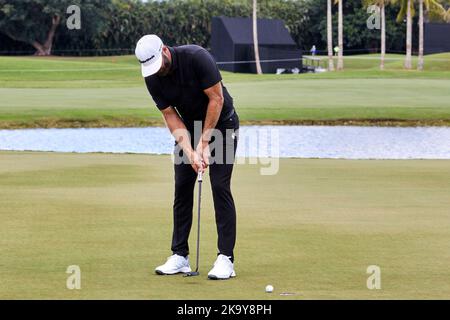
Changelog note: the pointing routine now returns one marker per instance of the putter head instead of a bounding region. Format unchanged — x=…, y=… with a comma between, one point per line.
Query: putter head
x=191, y=274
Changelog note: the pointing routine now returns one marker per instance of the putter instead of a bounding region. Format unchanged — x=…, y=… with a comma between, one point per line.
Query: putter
x=200, y=180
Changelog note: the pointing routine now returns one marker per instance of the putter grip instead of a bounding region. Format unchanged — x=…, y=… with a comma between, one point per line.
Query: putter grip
x=200, y=176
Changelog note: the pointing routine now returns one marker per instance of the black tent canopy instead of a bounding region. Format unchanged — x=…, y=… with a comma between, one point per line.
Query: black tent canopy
x=232, y=40
x=437, y=38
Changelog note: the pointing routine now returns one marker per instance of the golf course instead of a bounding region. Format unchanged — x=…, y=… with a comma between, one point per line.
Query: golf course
x=311, y=230
x=110, y=92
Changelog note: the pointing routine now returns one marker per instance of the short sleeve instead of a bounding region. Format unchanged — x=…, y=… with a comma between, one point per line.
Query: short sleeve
x=155, y=92
x=206, y=69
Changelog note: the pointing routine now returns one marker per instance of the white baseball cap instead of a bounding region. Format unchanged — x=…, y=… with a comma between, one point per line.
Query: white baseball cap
x=149, y=53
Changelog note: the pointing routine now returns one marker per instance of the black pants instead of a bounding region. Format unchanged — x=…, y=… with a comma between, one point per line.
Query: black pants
x=220, y=178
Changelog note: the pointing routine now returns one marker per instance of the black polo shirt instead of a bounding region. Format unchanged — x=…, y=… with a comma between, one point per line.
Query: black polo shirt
x=193, y=70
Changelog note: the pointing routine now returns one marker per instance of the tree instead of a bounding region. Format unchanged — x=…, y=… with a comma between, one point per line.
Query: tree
x=438, y=9
x=36, y=21
x=255, y=37
x=383, y=32
x=113, y=26
x=382, y=5
x=407, y=6
x=330, y=36
x=407, y=10
x=420, y=62
x=409, y=14
x=340, y=65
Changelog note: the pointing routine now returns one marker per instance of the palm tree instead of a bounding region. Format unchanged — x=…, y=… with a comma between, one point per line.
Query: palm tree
x=420, y=62
x=255, y=37
x=383, y=32
x=330, y=36
x=382, y=5
x=409, y=15
x=407, y=6
x=340, y=65
x=447, y=15
x=439, y=10
x=407, y=9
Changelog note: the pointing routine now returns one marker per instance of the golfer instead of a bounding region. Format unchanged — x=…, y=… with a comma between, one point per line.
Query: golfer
x=187, y=88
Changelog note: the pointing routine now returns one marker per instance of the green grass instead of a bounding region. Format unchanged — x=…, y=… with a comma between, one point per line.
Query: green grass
x=312, y=229
x=108, y=91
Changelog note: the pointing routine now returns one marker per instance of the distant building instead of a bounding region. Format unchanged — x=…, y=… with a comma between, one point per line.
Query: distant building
x=232, y=40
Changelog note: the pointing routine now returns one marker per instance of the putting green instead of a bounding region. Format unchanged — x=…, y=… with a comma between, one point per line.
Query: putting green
x=312, y=229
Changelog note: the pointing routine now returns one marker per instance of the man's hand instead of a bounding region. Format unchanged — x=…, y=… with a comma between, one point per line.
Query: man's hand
x=196, y=161
x=204, y=152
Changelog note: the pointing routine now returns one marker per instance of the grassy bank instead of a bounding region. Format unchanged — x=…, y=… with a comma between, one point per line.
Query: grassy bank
x=311, y=230
x=109, y=92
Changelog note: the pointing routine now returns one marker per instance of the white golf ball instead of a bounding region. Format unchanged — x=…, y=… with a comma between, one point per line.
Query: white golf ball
x=269, y=288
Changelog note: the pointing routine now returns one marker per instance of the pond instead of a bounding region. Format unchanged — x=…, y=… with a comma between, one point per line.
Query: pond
x=347, y=142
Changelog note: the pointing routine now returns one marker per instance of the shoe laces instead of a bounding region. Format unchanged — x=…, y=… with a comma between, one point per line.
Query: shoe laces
x=221, y=258
x=175, y=258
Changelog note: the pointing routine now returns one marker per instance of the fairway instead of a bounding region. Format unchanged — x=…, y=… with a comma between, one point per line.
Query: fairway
x=311, y=230
x=109, y=92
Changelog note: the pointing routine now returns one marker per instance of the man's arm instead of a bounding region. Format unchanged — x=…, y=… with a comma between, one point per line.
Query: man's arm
x=215, y=105
x=181, y=135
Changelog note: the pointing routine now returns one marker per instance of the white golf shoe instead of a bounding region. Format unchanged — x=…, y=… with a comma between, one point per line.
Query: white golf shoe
x=175, y=264
x=223, y=269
